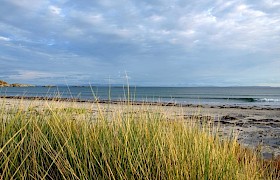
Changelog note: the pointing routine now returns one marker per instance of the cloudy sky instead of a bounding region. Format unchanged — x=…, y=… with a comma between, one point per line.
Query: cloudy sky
x=150, y=42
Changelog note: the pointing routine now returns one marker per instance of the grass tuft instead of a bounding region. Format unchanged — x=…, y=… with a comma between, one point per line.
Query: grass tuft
x=129, y=143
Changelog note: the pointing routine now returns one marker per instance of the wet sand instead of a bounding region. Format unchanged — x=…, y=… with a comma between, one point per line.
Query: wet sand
x=257, y=127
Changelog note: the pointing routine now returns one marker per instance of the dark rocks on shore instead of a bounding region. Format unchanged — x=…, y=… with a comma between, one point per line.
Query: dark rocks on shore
x=227, y=117
x=49, y=86
x=21, y=85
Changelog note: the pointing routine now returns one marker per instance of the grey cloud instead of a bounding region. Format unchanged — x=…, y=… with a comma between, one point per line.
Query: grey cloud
x=191, y=40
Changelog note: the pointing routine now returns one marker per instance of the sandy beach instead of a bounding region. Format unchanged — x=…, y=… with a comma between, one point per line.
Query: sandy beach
x=257, y=127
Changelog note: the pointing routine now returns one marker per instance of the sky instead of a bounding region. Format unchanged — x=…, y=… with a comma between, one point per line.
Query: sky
x=144, y=42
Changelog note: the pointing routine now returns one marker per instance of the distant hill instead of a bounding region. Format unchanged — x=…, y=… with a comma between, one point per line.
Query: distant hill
x=5, y=84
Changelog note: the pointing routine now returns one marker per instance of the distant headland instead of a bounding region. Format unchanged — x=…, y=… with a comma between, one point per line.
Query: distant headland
x=5, y=84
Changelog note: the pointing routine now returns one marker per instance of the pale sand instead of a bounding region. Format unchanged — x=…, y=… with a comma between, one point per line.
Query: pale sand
x=256, y=126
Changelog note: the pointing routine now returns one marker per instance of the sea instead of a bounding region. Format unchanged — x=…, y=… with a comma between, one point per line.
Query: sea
x=240, y=96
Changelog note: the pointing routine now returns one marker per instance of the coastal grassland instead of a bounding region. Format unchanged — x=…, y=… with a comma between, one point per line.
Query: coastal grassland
x=133, y=142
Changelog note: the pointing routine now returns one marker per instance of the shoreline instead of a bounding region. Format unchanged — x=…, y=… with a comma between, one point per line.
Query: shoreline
x=257, y=127
x=152, y=103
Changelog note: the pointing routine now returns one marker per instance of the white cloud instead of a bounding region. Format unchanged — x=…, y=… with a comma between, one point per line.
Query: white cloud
x=243, y=12
x=241, y=26
x=86, y=19
x=156, y=18
x=272, y=3
x=33, y=75
x=4, y=38
x=55, y=10
x=95, y=19
x=74, y=32
x=29, y=4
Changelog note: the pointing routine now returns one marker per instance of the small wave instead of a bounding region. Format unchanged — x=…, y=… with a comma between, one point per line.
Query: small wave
x=267, y=100
x=247, y=99
x=255, y=99
x=218, y=98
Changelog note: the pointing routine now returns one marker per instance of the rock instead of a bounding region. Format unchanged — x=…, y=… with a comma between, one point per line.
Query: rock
x=21, y=85
x=5, y=84
x=49, y=86
x=227, y=117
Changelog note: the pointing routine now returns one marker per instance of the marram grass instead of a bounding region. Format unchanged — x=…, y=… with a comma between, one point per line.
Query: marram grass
x=73, y=143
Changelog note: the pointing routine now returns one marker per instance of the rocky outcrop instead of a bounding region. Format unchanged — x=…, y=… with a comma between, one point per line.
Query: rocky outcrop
x=21, y=85
x=5, y=84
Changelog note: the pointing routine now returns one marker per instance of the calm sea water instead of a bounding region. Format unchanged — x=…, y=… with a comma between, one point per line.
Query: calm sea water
x=258, y=96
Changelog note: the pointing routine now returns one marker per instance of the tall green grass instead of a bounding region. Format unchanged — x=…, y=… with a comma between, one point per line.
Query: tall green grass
x=129, y=143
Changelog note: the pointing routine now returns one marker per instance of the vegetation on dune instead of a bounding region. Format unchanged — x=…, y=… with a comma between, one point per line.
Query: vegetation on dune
x=69, y=143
